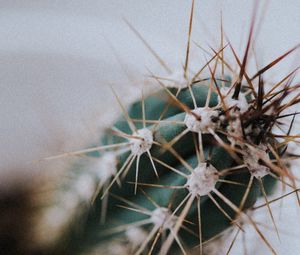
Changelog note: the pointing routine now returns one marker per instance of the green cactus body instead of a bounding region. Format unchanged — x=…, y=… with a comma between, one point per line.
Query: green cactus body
x=213, y=220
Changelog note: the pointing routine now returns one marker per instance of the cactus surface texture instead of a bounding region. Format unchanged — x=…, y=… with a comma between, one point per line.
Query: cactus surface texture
x=185, y=164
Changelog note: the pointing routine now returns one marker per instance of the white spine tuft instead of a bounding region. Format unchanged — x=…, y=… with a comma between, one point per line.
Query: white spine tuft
x=162, y=217
x=252, y=158
x=136, y=236
x=202, y=180
x=106, y=166
x=241, y=103
x=85, y=187
x=143, y=143
x=206, y=120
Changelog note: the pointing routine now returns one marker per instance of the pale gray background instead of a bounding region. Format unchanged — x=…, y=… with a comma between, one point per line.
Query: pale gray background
x=55, y=63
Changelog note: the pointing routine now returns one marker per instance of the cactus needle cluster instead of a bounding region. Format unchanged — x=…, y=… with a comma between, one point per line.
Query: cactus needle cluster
x=186, y=162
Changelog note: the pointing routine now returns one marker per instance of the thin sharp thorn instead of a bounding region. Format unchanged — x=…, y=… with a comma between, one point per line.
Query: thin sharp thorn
x=192, y=95
x=215, y=237
x=201, y=150
x=174, y=97
x=199, y=223
x=281, y=81
x=143, y=110
x=268, y=206
x=176, y=139
x=76, y=153
x=227, y=201
x=231, y=182
x=260, y=97
x=280, y=170
x=281, y=180
x=161, y=121
x=125, y=227
x=223, y=211
x=276, y=199
x=152, y=163
x=288, y=115
x=136, y=174
x=209, y=94
x=170, y=167
x=135, y=210
x=129, y=202
x=218, y=89
x=227, y=147
x=117, y=132
x=264, y=239
x=168, y=243
x=155, y=241
x=126, y=164
x=245, y=74
x=189, y=40
x=166, y=109
x=233, y=241
x=104, y=205
x=171, y=200
x=268, y=227
x=181, y=204
x=244, y=63
x=158, y=185
x=147, y=240
x=222, y=45
x=207, y=63
x=274, y=62
x=196, y=147
x=246, y=194
x=128, y=119
x=226, y=170
x=219, y=58
x=152, y=51
x=152, y=201
x=182, y=161
x=233, y=206
x=178, y=241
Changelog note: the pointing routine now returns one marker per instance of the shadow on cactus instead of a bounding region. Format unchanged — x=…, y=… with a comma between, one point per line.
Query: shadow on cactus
x=186, y=162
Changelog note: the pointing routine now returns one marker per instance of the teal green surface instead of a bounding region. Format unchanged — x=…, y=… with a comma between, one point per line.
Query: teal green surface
x=213, y=220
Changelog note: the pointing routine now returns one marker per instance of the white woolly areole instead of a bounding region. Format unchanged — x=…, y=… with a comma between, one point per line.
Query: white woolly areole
x=202, y=180
x=140, y=146
x=241, y=102
x=106, y=166
x=85, y=187
x=135, y=236
x=252, y=157
x=162, y=217
x=234, y=129
x=205, y=121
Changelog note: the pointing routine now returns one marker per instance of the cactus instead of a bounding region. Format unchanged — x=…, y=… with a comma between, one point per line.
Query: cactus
x=183, y=164
x=191, y=169
x=186, y=167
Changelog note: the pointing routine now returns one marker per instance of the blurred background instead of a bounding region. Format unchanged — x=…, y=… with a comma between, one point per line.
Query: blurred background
x=58, y=57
